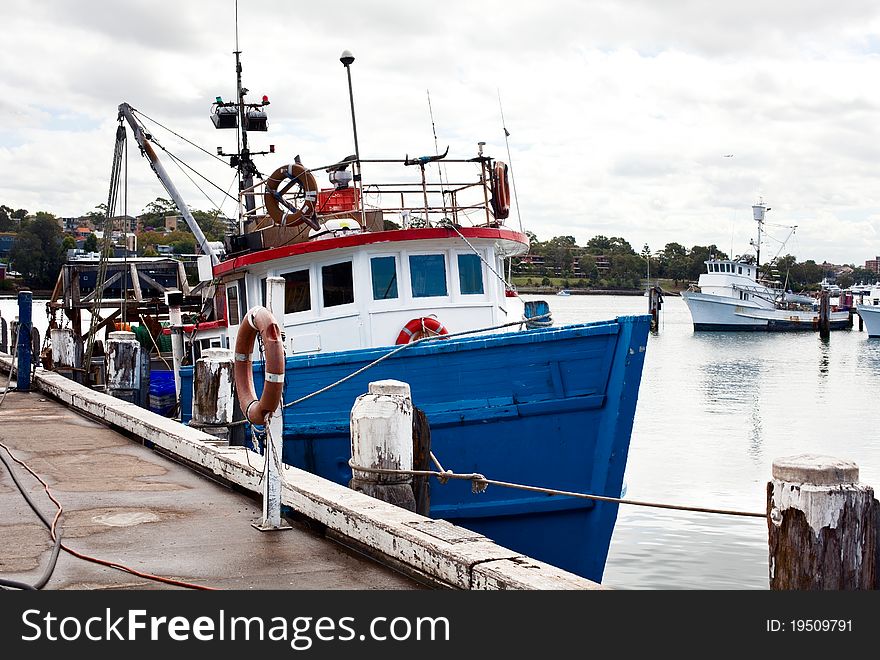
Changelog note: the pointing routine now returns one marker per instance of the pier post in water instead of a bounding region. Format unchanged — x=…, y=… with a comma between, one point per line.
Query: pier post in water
x=825, y=314
x=382, y=437
x=25, y=303
x=213, y=391
x=271, y=517
x=124, y=366
x=655, y=303
x=822, y=526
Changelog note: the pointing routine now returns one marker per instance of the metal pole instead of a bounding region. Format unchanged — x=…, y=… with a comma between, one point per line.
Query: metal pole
x=347, y=59
x=271, y=515
x=25, y=303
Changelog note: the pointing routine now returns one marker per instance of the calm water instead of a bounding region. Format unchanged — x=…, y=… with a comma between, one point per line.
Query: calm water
x=714, y=410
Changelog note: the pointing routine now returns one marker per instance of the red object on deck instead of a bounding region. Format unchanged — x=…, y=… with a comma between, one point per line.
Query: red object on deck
x=208, y=325
x=337, y=200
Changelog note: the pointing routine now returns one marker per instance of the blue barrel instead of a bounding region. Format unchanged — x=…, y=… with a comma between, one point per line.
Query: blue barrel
x=163, y=398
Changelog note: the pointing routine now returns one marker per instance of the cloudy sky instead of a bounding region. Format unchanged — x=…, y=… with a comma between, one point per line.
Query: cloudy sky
x=622, y=113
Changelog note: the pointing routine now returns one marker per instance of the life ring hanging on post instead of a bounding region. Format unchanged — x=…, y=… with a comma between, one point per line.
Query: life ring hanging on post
x=291, y=214
x=259, y=320
x=500, y=191
x=421, y=327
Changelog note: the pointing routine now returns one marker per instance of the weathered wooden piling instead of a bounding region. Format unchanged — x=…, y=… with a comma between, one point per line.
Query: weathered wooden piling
x=271, y=482
x=822, y=526
x=124, y=366
x=213, y=392
x=382, y=437
x=67, y=351
x=25, y=304
x=4, y=336
x=421, y=484
x=655, y=303
x=825, y=314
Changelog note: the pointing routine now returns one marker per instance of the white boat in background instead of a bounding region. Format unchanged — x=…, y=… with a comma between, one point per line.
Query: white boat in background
x=563, y=292
x=869, y=311
x=729, y=296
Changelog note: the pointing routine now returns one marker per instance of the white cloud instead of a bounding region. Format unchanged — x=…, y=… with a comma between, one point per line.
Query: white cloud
x=620, y=113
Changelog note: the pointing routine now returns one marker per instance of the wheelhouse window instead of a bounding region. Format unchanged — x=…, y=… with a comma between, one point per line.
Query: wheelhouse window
x=233, y=306
x=297, y=293
x=427, y=275
x=337, y=284
x=384, y=275
x=470, y=274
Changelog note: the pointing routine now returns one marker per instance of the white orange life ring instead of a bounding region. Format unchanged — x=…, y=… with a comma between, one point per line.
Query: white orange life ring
x=291, y=215
x=500, y=191
x=421, y=327
x=259, y=320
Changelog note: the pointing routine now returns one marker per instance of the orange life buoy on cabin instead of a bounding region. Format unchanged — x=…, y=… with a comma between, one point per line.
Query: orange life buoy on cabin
x=500, y=191
x=421, y=327
x=282, y=211
x=259, y=320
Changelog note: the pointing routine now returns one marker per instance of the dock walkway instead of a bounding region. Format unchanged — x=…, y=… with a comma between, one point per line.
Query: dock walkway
x=126, y=503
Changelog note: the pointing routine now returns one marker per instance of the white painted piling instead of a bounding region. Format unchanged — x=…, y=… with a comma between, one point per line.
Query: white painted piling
x=822, y=525
x=381, y=425
x=124, y=366
x=174, y=299
x=66, y=352
x=214, y=392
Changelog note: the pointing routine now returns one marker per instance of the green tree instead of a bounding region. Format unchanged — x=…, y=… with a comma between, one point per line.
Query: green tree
x=90, y=244
x=68, y=243
x=37, y=252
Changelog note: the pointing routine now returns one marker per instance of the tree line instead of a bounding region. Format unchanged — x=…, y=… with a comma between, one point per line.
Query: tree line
x=611, y=262
x=41, y=246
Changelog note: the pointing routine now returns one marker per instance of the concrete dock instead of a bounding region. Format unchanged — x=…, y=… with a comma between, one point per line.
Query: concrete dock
x=432, y=552
x=129, y=504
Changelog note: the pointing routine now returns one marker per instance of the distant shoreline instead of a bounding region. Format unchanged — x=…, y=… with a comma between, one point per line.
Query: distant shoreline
x=588, y=292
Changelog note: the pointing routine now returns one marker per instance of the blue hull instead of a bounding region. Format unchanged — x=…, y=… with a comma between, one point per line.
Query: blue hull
x=549, y=407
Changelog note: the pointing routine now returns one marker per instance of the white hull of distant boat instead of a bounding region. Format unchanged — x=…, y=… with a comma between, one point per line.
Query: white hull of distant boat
x=870, y=315
x=711, y=312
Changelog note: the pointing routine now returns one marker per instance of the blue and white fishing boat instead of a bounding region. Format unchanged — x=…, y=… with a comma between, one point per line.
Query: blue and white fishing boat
x=506, y=393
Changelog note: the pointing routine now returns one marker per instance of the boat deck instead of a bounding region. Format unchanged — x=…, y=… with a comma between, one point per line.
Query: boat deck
x=126, y=503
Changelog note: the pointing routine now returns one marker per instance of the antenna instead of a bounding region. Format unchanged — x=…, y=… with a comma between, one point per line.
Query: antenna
x=510, y=161
x=437, y=152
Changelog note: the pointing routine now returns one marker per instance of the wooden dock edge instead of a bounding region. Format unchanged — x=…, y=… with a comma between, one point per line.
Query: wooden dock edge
x=448, y=555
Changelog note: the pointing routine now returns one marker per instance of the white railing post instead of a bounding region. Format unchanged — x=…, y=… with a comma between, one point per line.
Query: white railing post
x=271, y=519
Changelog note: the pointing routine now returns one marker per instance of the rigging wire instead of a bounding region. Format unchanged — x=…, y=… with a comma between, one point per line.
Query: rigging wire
x=510, y=161
x=212, y=155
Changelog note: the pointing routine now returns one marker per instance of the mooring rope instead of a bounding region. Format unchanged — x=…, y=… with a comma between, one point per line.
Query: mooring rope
x=480, y=483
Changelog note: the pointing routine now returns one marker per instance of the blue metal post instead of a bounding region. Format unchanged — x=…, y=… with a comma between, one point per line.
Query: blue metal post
x=25, y=300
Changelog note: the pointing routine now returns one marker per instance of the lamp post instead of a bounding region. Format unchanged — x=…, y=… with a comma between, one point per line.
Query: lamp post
x=347, y=59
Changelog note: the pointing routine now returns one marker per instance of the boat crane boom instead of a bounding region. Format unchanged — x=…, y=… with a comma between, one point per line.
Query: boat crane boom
x=125, y=110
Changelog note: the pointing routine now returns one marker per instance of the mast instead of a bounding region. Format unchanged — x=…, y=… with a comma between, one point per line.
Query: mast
x=758, y=211
x=143, y=140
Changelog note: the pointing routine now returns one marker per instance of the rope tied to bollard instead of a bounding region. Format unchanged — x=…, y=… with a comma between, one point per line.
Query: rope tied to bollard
x=480, y=483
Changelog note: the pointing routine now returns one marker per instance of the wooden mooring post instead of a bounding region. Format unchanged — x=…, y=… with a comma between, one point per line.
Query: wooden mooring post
x=823, y=526
x=382, y=437
x=825, y=314
x=124, y=369
x=655, y=303
x=214, y=392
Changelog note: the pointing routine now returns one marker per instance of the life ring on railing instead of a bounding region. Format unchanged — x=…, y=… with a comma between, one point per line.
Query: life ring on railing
x=421, y=327
x=259, y=320
x=282, y=211
x=500, y=191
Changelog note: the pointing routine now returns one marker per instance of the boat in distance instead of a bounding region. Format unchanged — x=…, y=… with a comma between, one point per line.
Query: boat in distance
x=730, y=297
x=869, y=311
